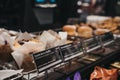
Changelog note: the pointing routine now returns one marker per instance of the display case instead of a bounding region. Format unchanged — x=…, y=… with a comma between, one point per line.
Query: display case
x=82, y=61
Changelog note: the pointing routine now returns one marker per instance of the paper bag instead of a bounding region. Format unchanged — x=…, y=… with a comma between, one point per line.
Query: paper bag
x=101, y=73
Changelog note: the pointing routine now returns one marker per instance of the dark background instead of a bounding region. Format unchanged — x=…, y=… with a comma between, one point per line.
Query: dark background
x=20, y=15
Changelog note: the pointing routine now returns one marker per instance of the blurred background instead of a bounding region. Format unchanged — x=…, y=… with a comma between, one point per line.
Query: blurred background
x=37, y=15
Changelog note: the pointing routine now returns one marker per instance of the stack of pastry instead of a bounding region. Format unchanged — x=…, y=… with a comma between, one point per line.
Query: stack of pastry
x=81, y=30
x=111, y=25
x=106, y=24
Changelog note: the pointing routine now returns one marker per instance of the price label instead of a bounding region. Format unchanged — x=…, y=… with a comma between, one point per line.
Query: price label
x=107, y=37
x=71, y=50
x=91, y=43
x=47, y=59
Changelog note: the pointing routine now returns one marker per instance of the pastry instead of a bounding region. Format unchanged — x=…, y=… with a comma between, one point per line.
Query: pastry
x=70, y=29
x=85, y=32
x=100, y=31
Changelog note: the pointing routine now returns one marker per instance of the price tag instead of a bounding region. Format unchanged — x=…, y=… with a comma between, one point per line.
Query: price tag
x=47, y=59
x=71, y=50
x=91, y=44
x=107, y=37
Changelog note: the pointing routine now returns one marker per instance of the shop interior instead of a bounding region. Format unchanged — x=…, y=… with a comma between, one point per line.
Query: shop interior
x=59, y=39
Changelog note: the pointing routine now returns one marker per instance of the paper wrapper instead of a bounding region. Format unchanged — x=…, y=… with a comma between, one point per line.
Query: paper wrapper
x=52, y=39
x=6, y=44
x=24, y=36
x=55, y=34
x=6, y=37
x=46, y=37
x=5, y=52
x=7, y=73
x=24, y=61
x=13, y=33
x=23, y=57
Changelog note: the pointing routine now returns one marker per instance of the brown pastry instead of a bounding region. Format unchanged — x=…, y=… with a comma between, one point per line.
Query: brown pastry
x=85, y=32
x=109, y=26
x=108, y=21
x=117, y=20
x=116, y=31
x=28, y=64
x=114, y=27
x=70, y=29
x=100, y=31
x=102, y=26
x=5, y=51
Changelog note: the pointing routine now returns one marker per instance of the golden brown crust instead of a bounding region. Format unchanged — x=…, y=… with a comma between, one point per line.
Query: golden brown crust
x=113, y=27
x=109, y=26
x=72, y=33
x=70, y=29
x=100, y=31
x=116, y=19
x=85, y=32
x=116, y=31
x=108, y=21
